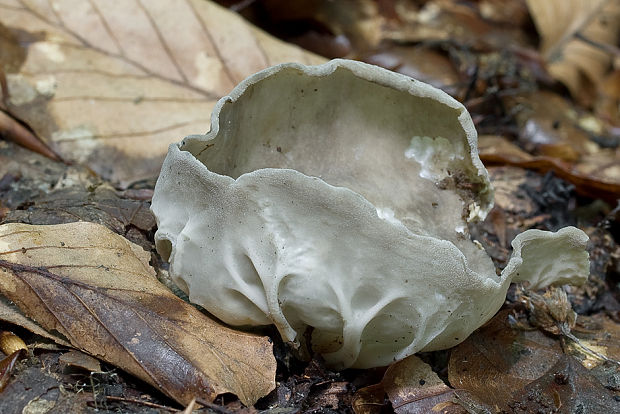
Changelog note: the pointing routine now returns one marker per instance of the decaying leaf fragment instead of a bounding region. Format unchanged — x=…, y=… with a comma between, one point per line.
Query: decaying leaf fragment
x=98, y=290
x=338, y=197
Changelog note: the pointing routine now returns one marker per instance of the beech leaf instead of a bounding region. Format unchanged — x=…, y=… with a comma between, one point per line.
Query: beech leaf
x=97, y=289
x=111, y=84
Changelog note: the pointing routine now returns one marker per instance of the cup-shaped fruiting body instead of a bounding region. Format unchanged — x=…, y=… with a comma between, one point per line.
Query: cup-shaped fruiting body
x=337, y=197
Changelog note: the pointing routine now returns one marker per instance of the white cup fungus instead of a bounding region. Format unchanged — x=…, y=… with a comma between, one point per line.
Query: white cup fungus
x=337, y=198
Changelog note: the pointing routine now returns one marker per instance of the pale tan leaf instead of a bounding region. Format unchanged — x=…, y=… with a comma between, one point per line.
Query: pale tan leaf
x=111, y=84
x=98, y=290
x=571, y=60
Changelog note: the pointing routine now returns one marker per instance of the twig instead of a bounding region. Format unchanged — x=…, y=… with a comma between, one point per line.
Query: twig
x=214, y=407
x=4, y=90
x=607, y=48
x=139, y=402
x=569, y=335
x=237, y=7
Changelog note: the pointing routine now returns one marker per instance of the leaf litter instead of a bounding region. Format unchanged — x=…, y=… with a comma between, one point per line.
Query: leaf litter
x=474, y=73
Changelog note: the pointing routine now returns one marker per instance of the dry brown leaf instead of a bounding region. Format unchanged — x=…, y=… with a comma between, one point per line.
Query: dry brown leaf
x=605, y=339
x=421, y=63
x=98, y=290
x=453, y=21
x=607, y=106
x=369, y=400
x=572, y=61
x=111, y=84
x=549, y=125
x=354, y=24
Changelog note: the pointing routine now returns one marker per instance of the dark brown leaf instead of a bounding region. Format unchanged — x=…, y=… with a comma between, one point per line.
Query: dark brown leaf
x=567, y=387
x=497, y=360
x=10, y=313
x=101, y=204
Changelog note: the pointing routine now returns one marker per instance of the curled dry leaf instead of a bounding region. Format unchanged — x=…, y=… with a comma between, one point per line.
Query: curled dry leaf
x=98, y=290
x=9, y=343
x=6, y=368
x=551, y=311
x=596, y=175
x=111, y=84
